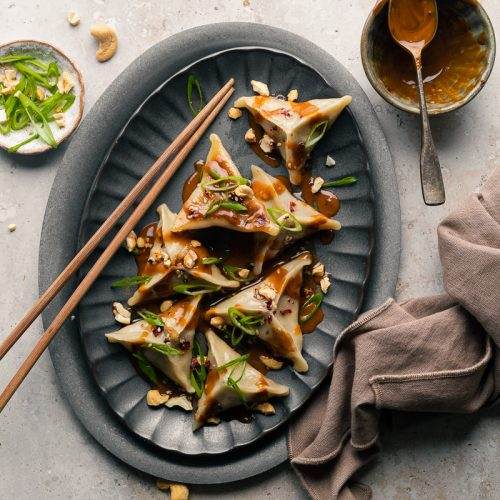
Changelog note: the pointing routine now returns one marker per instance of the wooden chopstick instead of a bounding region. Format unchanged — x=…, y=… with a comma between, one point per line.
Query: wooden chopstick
x=105, y=257
x=97, y=237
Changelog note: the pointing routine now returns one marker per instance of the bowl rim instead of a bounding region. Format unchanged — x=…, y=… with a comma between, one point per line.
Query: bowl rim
x=414, y=109
x=49, y=47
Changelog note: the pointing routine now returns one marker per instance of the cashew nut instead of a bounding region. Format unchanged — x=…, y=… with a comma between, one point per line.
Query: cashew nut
x=108, y=41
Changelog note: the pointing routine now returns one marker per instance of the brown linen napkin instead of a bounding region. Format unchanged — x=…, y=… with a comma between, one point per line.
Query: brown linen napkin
x=439, y=353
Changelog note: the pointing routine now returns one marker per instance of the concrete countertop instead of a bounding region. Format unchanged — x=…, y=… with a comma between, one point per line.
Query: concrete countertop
x=44, y=452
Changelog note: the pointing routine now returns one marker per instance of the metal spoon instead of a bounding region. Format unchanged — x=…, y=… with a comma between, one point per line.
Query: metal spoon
x=413, y=24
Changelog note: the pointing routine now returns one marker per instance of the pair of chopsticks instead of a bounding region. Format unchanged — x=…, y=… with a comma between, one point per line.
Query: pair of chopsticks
x=180, y=147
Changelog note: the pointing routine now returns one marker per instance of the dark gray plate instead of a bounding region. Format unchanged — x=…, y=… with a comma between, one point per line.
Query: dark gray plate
x=347, y=259
x=91, y=145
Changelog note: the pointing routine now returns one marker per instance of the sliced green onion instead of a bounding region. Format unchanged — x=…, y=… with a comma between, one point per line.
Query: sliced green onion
x=16, y=147
x=194, y=83
x=198, y=374
x=316, y=134
x=196, y=288
x=19, y=119
x=310, y=306
x=35, y=75
x=211, y=260
x=234, y=362
x=165, y=349
x=131, y=281
x=145, y=367
x=225, y=183
x=344, y=181
x=289, y=222
x=41, y=126
x=57, y=102
x=5, y=129
x=53, y=70
x=232, y=272
x=247, y=323
x=229, y=205
x=11, y=58
x=152, y=318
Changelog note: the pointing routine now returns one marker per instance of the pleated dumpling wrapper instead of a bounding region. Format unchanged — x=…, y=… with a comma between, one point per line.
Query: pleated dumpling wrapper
x=223, y=198
x=295, y=218
x=169, y=350
x=170, y=254
x=295, y=127
x=271, y=307
x=232, y=381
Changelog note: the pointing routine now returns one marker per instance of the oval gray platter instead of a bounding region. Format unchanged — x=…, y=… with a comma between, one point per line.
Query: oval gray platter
x=89, y=149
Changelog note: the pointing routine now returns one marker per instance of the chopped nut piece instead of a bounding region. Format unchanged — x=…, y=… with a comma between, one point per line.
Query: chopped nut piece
x=141, y=242
x=243, y=273
x=3, y=116
x=250, y=136
x=271, y=363
x=190, y=259
x=329, y=162
x=155, y=398
x=177, y=491
x=318, y=269
x=325, y=283
x=266, y=144
x=65, y=83
x=11, y=227
x=217, y=321
x=60, y=119
x=121, y=314
x=11, y=75
x=40, y=93
x=166, y=305
x=234, y=113
x=293, y=95
x=213, y=420
x=318, y=182
x=181, y=401
x=9, y=81
x=267, y=292
x=243, y=191
x=131, y=241
x=73, y=18
x=259, y=87
x=265, y=408
x=195, y=243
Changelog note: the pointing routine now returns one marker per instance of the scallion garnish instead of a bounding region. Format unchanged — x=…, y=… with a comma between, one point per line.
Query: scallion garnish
x=198, y=372
x=11, y=58
x=225, y=183
x=316, y=134
x=228, y=205
x=233, y=362
x=194, y=84
x=285, y=220
x=233, y=272
x=14, y=148
x=211, y=260
x=165, y=349
x=344, y=181
x=145, y=367
x=247, y=323
x=196, y=288
x=152, y=318
x=131, y=281
x=310, y=306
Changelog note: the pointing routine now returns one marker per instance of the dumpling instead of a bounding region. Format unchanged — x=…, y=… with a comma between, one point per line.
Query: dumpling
x=170, y=254
x=170, y=347
x=232, y=381
x=223, y=198
x=297, y=218
x=295, y=127
x=271, y=307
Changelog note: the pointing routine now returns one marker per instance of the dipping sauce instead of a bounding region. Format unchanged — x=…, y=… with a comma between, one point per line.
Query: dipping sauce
x=452, y=63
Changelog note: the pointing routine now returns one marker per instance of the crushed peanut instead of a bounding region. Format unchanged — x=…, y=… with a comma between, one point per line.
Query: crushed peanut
x=155, y=398
x=243, y=191
x=65, y=83
x=266, y=144
x=40, y=93
x=177, y=491
x=318, y=182
x=213, y=420
x=265, y=408
x=195, y=243
x=271, y=363
x=217, y=321
x=181, y=401
x=166, y=305
x=293, y=95
x=60, y=119
x=190, y=259
x=243, y=273
x=9, y=81
x=140, y=242
x=73, y=18
x=259, y=87
x=121, y=314
x=11, y=227
x=267, y=292
x=250, y=136
x=329, y=162
x=318, y=269
x=325, y=283
x=131, y=241
x=234, y=113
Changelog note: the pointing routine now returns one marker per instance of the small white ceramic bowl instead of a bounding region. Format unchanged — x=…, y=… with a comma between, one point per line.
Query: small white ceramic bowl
x=73, y=115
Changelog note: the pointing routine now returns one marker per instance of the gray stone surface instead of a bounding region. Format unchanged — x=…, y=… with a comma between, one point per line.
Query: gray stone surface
x=44, y=452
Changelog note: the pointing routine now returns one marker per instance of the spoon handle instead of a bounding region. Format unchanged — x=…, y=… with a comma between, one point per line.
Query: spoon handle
x=430, y=170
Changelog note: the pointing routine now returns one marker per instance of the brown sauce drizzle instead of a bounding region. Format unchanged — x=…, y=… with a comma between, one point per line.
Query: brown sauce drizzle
x=309, y=287
x=324, y=201
x=269, y=159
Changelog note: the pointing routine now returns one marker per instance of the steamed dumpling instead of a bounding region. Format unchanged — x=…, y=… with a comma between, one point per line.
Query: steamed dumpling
x=249, y=385
x=180, y=323
x=304, y=219
x=222, y=198
x=171, y=253
x=290, y=124
x=276, y=301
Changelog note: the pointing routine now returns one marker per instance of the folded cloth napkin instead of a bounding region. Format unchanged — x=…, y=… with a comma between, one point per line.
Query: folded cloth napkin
x=432, y=354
